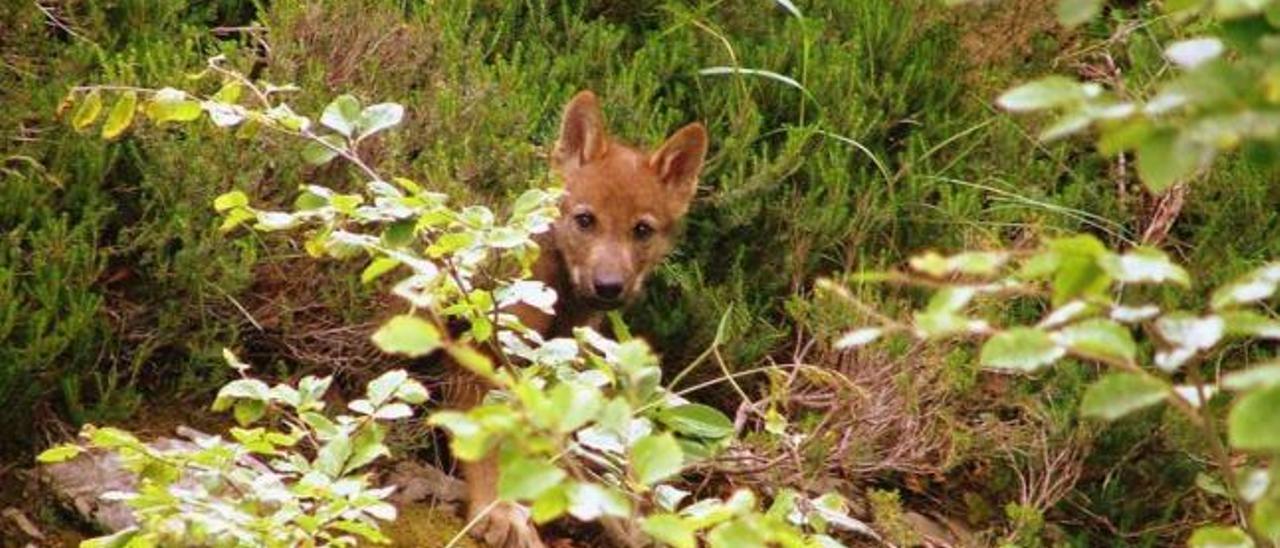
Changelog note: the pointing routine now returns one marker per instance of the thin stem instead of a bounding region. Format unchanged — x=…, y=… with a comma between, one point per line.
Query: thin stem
x=1220, y=452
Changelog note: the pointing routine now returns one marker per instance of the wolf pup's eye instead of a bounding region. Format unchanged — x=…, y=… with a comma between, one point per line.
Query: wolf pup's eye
x=642, y=231
x=584, y=220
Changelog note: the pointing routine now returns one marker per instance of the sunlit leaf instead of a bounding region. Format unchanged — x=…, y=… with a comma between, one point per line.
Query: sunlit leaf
x=1020, y=348
x=526, y=478
x=1191, y=53
x=1251, y=425
x=1165, y=158
x=375, y=118
x=59, y=453
x=407, y=334
x=1118, y=394
x=316, y=153
x=171, y=105
x=670, y=529
x=1262, y=376
x=1048, y=92
x=1216, y=536
x=1098, y=338
x=121, y=115
x=88, y=110
x=342, y=115
x=656, y=457
x=698, y=420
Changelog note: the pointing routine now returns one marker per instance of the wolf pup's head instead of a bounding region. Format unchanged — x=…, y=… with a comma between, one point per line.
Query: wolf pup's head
x=621, y=204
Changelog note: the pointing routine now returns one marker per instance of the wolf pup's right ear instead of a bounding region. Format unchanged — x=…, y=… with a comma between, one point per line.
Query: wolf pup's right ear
x=582, y=132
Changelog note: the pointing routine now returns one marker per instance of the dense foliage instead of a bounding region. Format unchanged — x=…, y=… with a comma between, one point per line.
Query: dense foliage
x=847, y=137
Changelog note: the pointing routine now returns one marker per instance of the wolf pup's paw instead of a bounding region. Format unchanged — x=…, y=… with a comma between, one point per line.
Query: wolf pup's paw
x=507, y=526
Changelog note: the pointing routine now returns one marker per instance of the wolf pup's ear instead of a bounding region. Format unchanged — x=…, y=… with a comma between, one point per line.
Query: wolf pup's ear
x=582, y=131
x=679, y=160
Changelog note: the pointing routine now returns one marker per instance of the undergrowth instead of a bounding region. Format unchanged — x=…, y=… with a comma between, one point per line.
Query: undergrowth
x=115, y=284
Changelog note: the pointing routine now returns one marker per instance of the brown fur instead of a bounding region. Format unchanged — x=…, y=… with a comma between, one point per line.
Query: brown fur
x=618, y=218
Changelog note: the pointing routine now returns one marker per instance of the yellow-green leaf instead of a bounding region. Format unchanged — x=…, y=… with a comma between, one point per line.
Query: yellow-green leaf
x=409, y=335
x=59, y=453
x=121, y=115
x=88, y=111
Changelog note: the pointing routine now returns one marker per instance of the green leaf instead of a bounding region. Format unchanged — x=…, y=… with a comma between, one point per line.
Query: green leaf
x=323, y=427
x=342, y=115
x=235, y=218
x=471, y=360
x=697, y=420
x=407, y=334
x=1251, y=425
x=1217, y=536
x=88, y=110
x=381, y=388
x=469, y=440
x=1266, y=517
x=124, y=538
x=248, y=412
x=375, y=118
x=656, y=457
x=1020, y=348
x=526, y=479
x=393, y=411
x=737, y=533
x=1075, y=263
x=121, y=115
x=1232, y=9
x=412, y=392
x=252, y=389
x=333, y=455
x=1188, y=331
x=1248, y=323
x=229, y=93
x=1165, y=159
x=59, y=453
x=1260, y=284
x=230, y=200
x=1145, y=264
x=670, y=529
x=1066, y=125
x=377, y=268
x=1049, y=92
x=112, y=438
x=1074, y=12
x=1118, y=394
x=1191, y=53
x=577, y=404
x=588, y=502
x=1098, y=338
x=317, y=154
x=550, y=505
x=857, y=337
x=1262, y=376
x=366, y=447
x=171, y=105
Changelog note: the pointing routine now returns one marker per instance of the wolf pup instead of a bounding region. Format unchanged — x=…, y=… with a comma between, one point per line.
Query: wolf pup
x=617, y=220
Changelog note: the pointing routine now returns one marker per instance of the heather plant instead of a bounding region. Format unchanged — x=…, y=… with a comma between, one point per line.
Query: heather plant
x=1099, y=307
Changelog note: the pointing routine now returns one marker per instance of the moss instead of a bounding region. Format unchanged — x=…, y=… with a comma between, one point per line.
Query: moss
x=424, y=524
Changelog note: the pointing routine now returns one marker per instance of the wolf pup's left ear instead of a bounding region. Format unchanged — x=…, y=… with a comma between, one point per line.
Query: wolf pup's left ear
x=679, y=160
